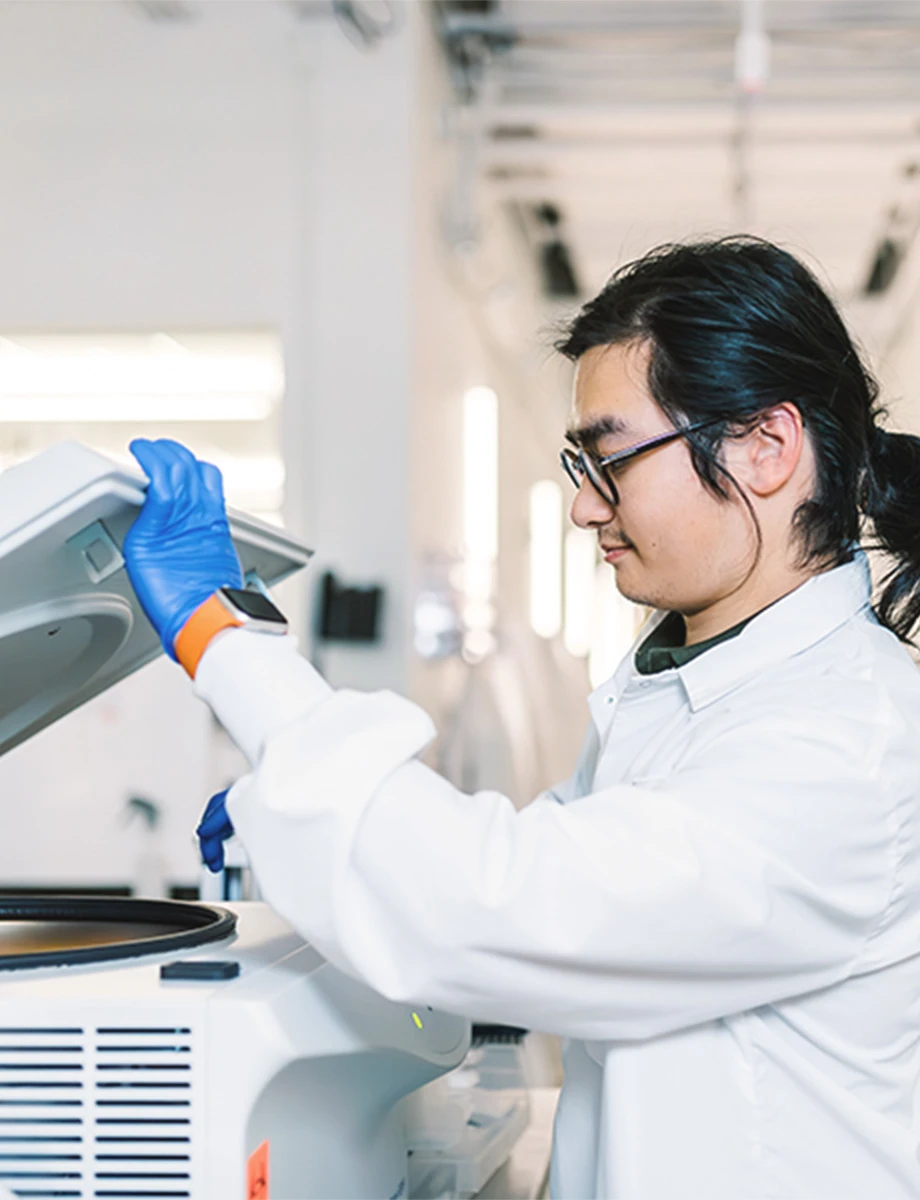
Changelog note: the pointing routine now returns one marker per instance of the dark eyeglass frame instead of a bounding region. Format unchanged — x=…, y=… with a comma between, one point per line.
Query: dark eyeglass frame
x=580, y=464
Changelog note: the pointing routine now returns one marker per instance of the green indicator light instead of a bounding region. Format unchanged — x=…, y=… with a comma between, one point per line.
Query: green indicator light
x=418, y=1020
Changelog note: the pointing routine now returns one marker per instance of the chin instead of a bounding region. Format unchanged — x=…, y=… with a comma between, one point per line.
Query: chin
x=637, y=591
x=631, y=590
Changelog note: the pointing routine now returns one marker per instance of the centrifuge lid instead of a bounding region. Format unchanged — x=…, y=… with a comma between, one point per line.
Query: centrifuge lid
x=62, y=931
x=70, y=623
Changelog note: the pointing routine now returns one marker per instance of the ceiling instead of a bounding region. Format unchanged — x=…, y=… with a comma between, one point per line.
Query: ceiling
x=636, y=121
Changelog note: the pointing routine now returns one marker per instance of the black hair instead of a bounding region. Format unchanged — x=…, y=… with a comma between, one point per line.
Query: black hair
x=738, y=325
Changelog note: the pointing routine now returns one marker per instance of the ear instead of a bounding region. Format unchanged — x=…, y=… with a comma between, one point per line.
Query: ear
x=766, y=458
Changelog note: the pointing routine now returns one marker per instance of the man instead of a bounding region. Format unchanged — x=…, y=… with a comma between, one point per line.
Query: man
x=720, y=911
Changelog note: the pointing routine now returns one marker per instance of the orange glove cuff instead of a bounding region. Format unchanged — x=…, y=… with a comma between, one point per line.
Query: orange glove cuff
x=200, y=629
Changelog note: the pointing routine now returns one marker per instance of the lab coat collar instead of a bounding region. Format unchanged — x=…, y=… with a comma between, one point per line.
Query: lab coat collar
x=609, y=693
x=801, y=619
x=791, y=625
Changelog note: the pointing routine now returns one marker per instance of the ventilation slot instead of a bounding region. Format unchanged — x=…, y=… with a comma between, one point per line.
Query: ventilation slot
x=42, y=1135
x=142, y=1097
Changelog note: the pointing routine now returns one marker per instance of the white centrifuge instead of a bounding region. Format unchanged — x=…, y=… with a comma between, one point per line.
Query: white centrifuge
x=153, y=1048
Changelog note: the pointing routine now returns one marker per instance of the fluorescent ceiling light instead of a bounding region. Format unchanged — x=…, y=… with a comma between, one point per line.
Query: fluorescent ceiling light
x=257, y=473
x=615, y=625
x=480, y=474
x=477, y=579
x=580, y=563
x=132, y=409
x=127, y=378
x=546, y=558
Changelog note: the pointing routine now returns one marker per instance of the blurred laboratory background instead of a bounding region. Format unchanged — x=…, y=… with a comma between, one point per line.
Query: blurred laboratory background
x=326, y=243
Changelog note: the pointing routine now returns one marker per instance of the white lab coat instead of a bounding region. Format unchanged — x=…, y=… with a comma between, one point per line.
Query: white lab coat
x=720, y=911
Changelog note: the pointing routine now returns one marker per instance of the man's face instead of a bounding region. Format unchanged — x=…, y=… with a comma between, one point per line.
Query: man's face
x=672, y=543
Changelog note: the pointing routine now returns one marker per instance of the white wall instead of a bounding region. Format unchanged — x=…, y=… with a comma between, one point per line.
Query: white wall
x=349, y=329
x=247, y=170
x=63, y=793
x=146, y=182
x=147, y=169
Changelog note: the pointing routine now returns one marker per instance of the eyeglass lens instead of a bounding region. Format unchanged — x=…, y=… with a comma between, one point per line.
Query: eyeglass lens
x=579, y=464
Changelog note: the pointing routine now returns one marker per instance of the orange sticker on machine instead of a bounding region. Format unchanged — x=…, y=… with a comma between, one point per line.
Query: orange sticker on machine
x=257, y=1173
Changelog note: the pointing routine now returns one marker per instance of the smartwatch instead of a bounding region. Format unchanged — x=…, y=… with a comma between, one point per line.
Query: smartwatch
x=253, y=610
x=228, y=608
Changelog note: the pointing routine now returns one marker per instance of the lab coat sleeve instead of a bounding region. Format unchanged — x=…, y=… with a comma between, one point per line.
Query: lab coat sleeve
x=628, y=913
x=271, y=686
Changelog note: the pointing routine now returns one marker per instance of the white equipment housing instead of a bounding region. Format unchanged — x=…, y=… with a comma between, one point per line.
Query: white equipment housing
x=70, y=624
x=115, y=1082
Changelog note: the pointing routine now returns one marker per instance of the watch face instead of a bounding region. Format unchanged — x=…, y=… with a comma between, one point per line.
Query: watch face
x=255, y=605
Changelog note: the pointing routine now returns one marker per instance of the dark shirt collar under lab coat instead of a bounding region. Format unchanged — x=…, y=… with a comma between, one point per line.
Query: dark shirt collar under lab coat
x=664, y=647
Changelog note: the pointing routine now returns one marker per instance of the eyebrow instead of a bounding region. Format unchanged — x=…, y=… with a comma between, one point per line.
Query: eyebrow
x=588, y=435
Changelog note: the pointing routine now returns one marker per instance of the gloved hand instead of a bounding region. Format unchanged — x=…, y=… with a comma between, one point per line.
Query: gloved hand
x=178, y=552
x=214, y=829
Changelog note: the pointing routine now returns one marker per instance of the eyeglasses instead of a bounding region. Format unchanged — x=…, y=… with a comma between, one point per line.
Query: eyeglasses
x=600, y=471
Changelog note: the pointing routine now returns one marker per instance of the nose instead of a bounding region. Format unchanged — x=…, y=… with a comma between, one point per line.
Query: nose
x=589, y=508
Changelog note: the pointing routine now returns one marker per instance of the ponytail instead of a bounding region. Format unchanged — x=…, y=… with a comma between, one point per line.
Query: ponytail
x=891, y=500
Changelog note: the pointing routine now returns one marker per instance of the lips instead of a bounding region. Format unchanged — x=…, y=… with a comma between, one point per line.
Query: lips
x=613, y=554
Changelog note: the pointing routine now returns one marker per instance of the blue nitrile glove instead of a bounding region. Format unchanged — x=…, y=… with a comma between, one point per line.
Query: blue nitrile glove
x=213, y=831
x=178, y=552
